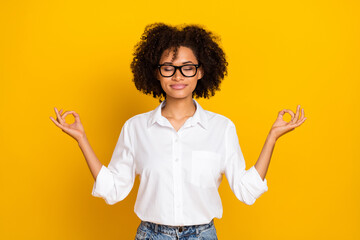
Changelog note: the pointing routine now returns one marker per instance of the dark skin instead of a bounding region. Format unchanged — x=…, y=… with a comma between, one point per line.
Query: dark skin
x=179, y=107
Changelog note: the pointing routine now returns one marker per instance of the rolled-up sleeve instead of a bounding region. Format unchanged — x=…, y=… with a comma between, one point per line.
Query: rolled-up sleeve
x=247, y=185
x=114, y=183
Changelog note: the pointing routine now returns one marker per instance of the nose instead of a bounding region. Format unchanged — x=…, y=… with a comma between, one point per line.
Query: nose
x=177, y=74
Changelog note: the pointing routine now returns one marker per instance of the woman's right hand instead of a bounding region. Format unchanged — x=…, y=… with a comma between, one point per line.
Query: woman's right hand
x=75, y=130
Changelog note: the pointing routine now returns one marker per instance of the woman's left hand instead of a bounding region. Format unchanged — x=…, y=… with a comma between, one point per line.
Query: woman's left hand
x=280, y=127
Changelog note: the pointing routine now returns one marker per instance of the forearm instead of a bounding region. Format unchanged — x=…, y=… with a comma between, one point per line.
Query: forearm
x=263, y=162
x=92, y=161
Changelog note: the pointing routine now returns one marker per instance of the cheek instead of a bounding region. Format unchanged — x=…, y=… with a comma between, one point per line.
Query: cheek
x=163, y=83
x=194, y=84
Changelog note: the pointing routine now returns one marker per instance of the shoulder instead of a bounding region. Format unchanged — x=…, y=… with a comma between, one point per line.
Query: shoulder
x=138, y=119
x=218, y=119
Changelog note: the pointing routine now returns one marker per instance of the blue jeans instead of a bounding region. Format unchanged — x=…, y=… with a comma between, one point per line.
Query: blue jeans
x=153, y=231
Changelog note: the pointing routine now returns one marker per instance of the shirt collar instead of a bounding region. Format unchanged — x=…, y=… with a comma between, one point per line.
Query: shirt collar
x=198, y=117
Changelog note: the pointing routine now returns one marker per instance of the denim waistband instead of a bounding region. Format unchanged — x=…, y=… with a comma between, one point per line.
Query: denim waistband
x=173, y=230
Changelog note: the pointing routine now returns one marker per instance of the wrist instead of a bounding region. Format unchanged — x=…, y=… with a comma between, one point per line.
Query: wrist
x=82, y=139
x=272, y=136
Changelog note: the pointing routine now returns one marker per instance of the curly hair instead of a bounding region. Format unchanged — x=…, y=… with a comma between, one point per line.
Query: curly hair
x=159, y=37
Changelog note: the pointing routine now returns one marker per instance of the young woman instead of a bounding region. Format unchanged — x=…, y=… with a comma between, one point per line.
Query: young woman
x=179, y=150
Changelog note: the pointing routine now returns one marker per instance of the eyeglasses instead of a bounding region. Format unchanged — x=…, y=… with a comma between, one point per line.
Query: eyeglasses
x=189, y=70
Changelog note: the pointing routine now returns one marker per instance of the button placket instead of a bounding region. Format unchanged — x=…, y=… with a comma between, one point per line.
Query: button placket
x=176, y=148
x=177, y=178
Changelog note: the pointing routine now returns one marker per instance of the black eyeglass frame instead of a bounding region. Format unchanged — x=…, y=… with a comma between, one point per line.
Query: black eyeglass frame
x=180, y=68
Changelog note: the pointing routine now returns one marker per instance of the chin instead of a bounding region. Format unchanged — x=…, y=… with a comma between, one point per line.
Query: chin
x=178, y=96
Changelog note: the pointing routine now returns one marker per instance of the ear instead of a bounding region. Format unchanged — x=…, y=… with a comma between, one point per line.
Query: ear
x=201, y=73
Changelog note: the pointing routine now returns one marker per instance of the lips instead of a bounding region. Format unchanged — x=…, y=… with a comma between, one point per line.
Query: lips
x=178, y=86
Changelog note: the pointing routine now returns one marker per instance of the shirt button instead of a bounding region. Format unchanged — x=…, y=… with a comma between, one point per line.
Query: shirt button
x=176, y=159
x=176, y=140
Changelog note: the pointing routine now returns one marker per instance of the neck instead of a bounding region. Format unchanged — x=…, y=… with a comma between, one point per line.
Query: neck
x=178, y=108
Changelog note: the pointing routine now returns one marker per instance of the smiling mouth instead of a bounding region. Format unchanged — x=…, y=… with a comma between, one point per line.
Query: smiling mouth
x=178, y=86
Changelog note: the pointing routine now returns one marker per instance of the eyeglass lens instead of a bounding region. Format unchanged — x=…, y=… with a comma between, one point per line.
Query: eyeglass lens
x=187, y=70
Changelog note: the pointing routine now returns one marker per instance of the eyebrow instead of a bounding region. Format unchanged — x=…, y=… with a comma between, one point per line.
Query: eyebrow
x=182, y=63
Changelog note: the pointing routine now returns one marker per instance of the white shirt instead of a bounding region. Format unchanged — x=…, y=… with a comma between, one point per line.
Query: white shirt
x=180, y=171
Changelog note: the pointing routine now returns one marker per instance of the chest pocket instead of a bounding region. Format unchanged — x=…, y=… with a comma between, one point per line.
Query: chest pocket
x=205, y=166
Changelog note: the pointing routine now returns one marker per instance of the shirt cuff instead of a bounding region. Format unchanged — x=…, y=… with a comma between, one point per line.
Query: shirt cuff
x=103, y=183
x=258, y=185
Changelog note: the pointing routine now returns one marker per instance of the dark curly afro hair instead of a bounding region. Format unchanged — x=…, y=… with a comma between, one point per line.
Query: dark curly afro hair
x=159, y=37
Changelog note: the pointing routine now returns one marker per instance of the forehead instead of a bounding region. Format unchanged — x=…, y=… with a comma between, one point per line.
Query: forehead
x=183, y=53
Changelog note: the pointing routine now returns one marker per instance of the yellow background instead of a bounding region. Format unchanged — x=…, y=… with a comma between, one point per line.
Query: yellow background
x=76, y=55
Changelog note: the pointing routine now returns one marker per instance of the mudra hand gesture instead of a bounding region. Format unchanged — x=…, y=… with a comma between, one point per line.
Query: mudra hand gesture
x=280, y=127
x=75, y=130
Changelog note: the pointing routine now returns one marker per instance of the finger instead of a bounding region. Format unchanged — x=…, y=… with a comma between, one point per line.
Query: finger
x=303, y=113
x=299, y=122
x=291, y=113
x=302, y=116
x=61, y=113
x=281, y=113
x=295, y=119
x=76, y=115
x=59, y=119
x=57, y=123
x=287, y=111
x=66, y=113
